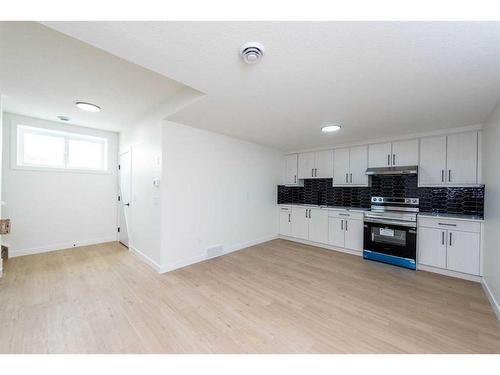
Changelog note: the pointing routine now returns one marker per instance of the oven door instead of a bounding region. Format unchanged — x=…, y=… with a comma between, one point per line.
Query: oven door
x=396, y=240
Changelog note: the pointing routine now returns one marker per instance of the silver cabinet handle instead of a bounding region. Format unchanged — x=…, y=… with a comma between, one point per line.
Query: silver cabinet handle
x=388, y=159
x=312, y=172
x=295, y=179
x=346, y=177
x=442, y=175
x=351, y=178
x=346, y=225
x=448, y=224
x=289, y=218
x=449, y=175
x=341, y=224
x=315, y=172
x=341, y=214
x=306, y=213
x=442, y=238
x=309, y=213
x=450, y=238
x=393, y=159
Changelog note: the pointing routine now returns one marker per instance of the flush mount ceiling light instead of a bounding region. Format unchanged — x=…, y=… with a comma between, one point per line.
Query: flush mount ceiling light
x=88, y=106
x=63, y=118
x=328, y=128
x=251, y=52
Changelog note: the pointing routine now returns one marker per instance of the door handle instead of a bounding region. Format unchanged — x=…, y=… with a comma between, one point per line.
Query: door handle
x=393, y=159
x=312, y=172
x=442, y=238
x=442, y=175
x=351, y=177
x=306, y=213
x=450, y=238
x=341, y=224
x=127, y=204
x=449, y=175
x=346, y=225
x=346, y=177
x=388, y=159
x=289, y=218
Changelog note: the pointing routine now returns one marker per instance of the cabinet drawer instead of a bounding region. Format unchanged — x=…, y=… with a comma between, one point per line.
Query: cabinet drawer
x=449, y=224
x=346, y=214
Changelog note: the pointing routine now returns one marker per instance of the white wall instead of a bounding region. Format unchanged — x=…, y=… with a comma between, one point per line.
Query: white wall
x=55, y=210
x=491, y=178
x=216, y=190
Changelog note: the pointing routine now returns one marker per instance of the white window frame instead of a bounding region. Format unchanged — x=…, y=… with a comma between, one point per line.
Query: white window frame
x=17, y=144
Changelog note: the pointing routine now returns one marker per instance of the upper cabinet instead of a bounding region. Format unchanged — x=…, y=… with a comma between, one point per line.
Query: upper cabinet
x=393, y=154
x=315, y=164
x=349, y=166
x=449, y=160
x=291, y=176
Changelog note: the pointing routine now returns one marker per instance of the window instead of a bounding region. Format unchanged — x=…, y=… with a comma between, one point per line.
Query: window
x=51, y=149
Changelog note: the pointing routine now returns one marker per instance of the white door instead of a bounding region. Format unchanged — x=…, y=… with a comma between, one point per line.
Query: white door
x=324, y=164
x=318, y=226
x=286, y=221
x=462, y=158
x=432, y=247
x=306, y=165
x=379, y=155
x=291, y=169
x=353, y=234
x=125, y=196
x=336, y=231
x=432, y=166
x=300, y=222
x=405, y=153
x=358, y=164
x=341, y=166
x=463, y=252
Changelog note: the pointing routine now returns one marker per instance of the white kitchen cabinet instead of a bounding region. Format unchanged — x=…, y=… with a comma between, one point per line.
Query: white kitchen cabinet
x=324, y=164
x=405, y=153
x=306, y=165
x=432, y=166
x=349, y=166
x=291, y=172
x=354, y=234
x=461, y=157
x=379, y=155
x=449, y=160
x=318, y=225
x=346, y=233
x=432, y=247
x=300, y=222
x=315, y=164
x=285, y=218
x=463, y=252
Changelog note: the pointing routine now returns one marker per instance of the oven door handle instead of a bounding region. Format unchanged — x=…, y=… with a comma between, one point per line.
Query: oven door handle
x=390, y=222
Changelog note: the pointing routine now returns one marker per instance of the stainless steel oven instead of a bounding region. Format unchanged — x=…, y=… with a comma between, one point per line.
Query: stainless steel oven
x=390, y=231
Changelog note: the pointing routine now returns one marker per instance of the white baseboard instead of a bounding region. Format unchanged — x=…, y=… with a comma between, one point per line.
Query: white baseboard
x=323, y=246
x=491, y=298
x=144, y=258
x=460, y=275
x=202, y=257
x=60, y=246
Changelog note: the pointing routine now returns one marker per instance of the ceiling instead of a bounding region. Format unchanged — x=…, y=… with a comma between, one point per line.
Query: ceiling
x=43, y=73
x=377, y=78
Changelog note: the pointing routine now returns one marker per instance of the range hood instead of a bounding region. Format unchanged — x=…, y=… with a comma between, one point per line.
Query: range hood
x=410, y=169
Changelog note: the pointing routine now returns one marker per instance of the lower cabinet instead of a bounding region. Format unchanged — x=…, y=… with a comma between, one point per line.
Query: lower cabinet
x=442, y=244
x=309, y=224
x=347, y=233
x=286, y=221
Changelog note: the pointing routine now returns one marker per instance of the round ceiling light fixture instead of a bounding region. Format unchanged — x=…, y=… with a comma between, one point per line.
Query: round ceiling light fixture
x=88, y=106
x=328, y=128
x=63, y=118
x=251, y=52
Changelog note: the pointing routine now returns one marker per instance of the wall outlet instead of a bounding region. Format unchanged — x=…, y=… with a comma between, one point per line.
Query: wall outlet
x=215, y=251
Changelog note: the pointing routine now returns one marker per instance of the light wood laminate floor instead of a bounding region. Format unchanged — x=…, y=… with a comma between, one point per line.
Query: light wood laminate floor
x=278, y=297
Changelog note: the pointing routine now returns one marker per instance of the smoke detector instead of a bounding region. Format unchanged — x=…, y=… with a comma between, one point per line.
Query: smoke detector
x=251, y=52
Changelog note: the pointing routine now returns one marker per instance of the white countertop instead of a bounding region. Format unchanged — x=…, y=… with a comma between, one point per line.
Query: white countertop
x=334, y=208
x=450, y=216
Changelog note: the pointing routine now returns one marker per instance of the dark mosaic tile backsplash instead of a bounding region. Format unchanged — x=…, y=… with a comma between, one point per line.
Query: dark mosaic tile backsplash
x=459, y=200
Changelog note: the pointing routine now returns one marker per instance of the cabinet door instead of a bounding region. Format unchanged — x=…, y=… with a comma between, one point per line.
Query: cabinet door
x=336, y=231
x=324, y=164
x=358, y=163
x=291, y=169
x=405, y=153
x=354, y=234
x=380, y=155
x=432, y=166
x=300, y=223
x=432, y=247
x=318, y=226
x=461, y=158
x=286, y=222
x=463, y=252
x=306, y=165
x=341, y=166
